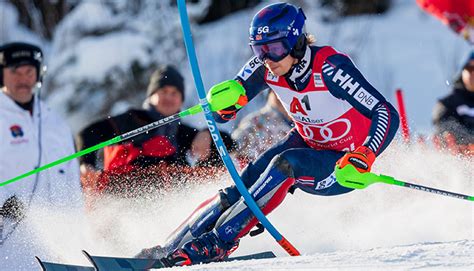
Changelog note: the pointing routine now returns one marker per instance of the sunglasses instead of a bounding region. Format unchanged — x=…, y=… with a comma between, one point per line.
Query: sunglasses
x=275, y=51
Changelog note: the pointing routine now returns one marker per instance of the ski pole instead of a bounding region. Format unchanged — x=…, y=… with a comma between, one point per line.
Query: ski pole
x=285, y=244
x=351, y=178
x=190, y=111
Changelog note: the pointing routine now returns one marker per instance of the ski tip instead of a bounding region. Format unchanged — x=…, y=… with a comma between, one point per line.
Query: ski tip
x=88, y=256
x=51, y=266
x=90, y=259
x=40, y=263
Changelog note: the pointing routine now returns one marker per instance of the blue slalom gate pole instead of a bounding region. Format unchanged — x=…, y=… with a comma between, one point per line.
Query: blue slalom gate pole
x=211, y=123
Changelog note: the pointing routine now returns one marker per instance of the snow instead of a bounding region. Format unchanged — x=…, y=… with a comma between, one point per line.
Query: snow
x=99, y=53
x=424, y=256
x=11, y=30
x=381, y=227
x=106, y=51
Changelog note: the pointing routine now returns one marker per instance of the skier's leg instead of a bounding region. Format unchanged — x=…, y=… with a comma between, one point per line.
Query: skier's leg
x=269, y=191
x=201, y=220
x=204, y=218
x=304, y=168
x=320, y=179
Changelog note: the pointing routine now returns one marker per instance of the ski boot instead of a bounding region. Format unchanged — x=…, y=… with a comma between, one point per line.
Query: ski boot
x=204, y=249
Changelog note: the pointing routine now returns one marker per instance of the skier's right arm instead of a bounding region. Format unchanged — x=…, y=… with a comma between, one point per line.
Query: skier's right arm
x=232, y=95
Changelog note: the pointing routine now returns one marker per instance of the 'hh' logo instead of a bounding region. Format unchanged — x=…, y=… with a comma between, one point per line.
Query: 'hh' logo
x=350, y=85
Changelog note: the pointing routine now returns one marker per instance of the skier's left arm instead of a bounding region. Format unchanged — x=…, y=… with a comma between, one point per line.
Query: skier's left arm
x=346, y=82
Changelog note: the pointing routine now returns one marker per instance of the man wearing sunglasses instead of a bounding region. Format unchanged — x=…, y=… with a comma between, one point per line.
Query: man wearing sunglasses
x=339, y=119
x=453, y=115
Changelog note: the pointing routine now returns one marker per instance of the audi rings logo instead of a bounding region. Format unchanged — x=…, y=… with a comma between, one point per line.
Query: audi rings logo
x=330, y=131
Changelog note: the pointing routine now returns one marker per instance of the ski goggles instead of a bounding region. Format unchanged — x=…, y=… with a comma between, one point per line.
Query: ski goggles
x=275, y=51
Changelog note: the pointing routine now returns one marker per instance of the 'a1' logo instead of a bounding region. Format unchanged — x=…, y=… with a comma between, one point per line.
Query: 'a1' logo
x=297, y=105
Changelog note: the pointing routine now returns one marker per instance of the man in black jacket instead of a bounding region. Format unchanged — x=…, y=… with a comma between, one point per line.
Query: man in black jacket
x=453, y=115
x=135, y=165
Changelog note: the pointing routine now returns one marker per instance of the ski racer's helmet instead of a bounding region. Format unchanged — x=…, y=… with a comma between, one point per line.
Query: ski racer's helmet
x=276, y=31
x=16, y=54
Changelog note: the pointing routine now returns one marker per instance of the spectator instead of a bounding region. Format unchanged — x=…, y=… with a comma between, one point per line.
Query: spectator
x=453, y=115
x=143, y=163
x=169, y=143
x=260, y=130
x=32, y=135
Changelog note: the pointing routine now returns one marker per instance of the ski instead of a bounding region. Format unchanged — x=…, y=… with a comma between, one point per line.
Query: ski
x=49, y=266
x=253, y=256
x=104, y=263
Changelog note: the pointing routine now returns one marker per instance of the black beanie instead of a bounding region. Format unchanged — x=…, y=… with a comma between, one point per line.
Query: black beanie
x=19, y=53
x=469, y=59
x=165, y=76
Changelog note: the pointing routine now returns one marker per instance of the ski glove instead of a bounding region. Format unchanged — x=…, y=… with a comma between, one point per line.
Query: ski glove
x=361, y=158
x=227, y=98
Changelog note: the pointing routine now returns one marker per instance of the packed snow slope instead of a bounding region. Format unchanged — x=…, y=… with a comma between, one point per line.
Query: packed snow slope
x=455, y=255
x=380, y=227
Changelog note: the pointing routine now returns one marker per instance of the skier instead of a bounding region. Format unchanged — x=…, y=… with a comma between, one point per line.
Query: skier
x=339, y=118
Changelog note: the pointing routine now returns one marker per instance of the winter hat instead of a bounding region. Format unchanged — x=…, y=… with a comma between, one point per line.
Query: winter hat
x=16, y=54
x=165, y=76
x=457, y=82
x=469, y=59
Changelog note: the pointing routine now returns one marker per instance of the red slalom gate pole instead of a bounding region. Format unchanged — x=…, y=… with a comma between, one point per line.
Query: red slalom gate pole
x=403, y=115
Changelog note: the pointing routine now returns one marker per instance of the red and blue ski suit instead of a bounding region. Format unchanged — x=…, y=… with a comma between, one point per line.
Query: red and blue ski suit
x=334, y=109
